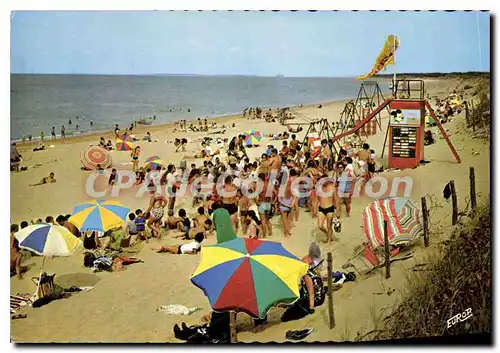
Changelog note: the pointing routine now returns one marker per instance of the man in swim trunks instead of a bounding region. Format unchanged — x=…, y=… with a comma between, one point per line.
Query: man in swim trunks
x=328, y=206
x=265, y=200
x=230, y=200
x=345, y=182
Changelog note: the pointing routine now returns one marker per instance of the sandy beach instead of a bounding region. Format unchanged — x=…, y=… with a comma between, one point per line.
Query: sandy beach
x=122, y=306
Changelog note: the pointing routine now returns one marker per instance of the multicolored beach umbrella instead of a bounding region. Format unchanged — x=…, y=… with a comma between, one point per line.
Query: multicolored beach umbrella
x=252, y=140
x=248, y=275
x=47, y=240
x=403, y=218
x=125, y=143
x=99, y=215
x=153, y=162
x=95, y=156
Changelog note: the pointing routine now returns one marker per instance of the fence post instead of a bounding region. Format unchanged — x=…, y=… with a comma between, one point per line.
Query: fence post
x=232, y=327
x=473, y=200
x=426, y=221
x=467, y=114
x=387, y=253
x=330, y=290
x=454, y=219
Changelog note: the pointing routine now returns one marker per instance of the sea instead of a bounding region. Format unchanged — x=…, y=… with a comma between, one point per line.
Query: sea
x=39, y=102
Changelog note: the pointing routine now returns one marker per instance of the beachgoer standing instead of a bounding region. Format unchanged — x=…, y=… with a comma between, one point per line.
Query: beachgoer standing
x=63, y=132
x=328, y=207
x=135, y=158
x=53, y=132
x=41, y=135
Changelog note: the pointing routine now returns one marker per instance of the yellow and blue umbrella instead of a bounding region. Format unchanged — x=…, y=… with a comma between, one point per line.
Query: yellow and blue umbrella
x=125, y=143
x=99, y=215
x=248, y=275
x=47, y=240
x=153, y=162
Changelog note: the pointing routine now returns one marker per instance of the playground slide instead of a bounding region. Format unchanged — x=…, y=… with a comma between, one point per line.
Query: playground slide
x=364, y=121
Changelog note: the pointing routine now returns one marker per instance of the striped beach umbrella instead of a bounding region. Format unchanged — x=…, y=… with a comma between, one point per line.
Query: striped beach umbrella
x=99, y=215
x=95, y=156
x=403, y=218
x=153, y=162
x=47, y=240
x=125, y=143
x=248, y=275
x=252, y=140
x=249, y=132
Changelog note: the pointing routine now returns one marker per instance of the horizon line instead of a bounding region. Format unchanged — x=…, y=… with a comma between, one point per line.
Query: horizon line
x=242, y=75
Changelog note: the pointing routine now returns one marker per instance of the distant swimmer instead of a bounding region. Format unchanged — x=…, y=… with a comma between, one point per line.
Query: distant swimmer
x=77, y=127
x=69, y=122
x=91, y=123
x=189, y=110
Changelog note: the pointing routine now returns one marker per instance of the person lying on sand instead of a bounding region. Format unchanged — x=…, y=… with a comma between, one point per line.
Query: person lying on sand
x=47, y=180
x=189, y=248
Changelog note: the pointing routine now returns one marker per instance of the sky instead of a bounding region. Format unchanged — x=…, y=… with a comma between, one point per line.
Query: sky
x=338, y=44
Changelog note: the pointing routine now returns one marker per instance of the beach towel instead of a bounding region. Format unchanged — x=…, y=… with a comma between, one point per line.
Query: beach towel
x=223, y=226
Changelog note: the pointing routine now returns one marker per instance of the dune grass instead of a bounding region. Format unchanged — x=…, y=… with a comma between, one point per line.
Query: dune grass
x=458, y=277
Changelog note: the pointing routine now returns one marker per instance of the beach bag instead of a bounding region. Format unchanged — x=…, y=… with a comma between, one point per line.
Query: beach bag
x=318, y=286
x=45, y=286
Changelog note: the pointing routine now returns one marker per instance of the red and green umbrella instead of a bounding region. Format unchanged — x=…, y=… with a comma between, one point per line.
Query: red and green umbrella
x=248, y=275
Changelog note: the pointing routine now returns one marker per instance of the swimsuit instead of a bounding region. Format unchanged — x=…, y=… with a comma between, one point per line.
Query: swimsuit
x=265, y=207
x=179, y=251
x=158, y=212
x=285, y=205
x=230, y=207
x=327, y=210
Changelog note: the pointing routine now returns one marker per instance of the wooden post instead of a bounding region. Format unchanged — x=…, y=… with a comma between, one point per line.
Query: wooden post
x=426, y=222
x=473, y=200
x=454, y=219
x=387, y=253
x=467, y=114
x=330, y=290
x=232, y=327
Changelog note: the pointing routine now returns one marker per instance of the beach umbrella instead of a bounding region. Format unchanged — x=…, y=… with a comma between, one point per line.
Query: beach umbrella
x=47, y=240
x=252, y=140
x=249, y=132
x=248, y=275
x=403, y=218
x=125, y=143
x=93, y=156
x=153, y=162
x=99, y=215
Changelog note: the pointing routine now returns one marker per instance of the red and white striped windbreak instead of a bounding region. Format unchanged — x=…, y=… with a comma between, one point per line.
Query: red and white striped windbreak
x=403, y=217
x=315, y=143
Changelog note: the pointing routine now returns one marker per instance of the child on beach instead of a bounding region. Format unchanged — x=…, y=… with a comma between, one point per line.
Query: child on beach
x=112, y=177
x=184, y=225
x=189, y=248
x=253, y=225
x=131, y=228
x=140, y=175
x=140, y=225
x=135, y=158
x=47, y=180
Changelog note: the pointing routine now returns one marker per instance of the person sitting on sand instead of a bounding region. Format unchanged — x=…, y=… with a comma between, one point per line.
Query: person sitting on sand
x=140, y=175
x=189, y=248
x=131, y=227
x=62, y=221
x=172, y=222
x=46, y=180
x=205, y=228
